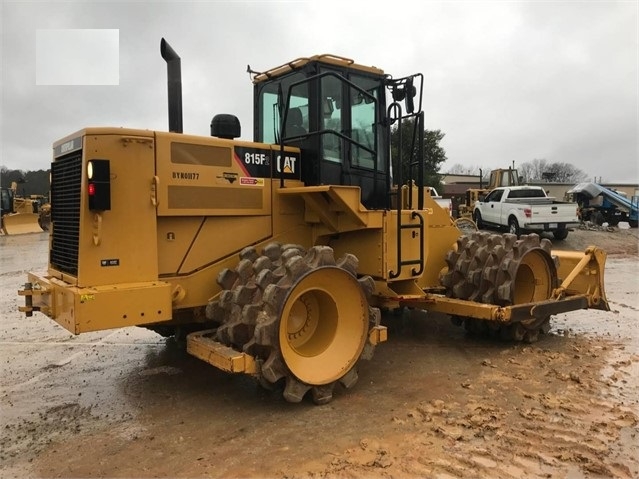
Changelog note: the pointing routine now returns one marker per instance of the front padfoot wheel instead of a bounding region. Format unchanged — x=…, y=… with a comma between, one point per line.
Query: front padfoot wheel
x=503, y=270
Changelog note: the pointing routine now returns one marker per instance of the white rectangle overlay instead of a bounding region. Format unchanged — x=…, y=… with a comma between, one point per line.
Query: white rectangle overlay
x=78, y=57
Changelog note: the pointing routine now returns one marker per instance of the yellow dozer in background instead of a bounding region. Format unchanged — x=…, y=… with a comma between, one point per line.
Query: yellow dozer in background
x=20, y=214
x=274, y=257
x=499, y=177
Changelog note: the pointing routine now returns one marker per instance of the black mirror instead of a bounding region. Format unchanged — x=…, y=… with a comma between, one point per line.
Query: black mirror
x=410, y=94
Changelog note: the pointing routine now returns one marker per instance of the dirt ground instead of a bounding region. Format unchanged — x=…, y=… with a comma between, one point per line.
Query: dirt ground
x=433, y=402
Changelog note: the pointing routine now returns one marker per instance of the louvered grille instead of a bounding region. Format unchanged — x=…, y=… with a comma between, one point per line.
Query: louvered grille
x=66, y=188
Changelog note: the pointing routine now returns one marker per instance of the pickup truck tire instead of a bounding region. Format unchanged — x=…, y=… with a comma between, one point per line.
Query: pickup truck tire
x=513, y=226
x=477, y=220
x=560, y=234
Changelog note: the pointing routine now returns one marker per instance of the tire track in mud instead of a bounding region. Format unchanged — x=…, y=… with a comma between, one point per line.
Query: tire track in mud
x=622, y=305
x=566, y=418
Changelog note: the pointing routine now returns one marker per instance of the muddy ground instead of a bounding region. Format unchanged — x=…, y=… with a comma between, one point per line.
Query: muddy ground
x=433, y=402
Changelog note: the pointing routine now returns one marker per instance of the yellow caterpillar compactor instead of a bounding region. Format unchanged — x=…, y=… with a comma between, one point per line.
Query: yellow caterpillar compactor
x=274, y=257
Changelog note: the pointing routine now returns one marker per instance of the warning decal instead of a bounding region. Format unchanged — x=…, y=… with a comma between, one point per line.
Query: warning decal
x=251, y=181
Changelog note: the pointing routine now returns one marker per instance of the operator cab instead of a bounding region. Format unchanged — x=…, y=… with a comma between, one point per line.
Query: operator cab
x=502, y=177
x=6, y=201
x=335, y=111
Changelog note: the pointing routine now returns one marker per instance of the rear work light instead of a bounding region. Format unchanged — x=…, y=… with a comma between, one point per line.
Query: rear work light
x=99, y=185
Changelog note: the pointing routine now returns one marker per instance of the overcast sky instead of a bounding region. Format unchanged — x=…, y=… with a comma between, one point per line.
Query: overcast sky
x=505, y=81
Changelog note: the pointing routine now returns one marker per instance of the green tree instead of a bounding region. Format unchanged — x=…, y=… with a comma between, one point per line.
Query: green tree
x=434, y=154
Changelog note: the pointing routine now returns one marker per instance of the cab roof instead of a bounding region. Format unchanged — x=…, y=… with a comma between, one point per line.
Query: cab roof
x=326, y=58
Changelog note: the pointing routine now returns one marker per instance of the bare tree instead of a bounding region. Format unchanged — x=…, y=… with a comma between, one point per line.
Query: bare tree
x=565, y=173
x=542, y=170
x=459, y=169
x=532, y=170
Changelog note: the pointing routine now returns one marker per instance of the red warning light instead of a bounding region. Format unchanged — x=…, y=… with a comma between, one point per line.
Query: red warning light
x=99, y=185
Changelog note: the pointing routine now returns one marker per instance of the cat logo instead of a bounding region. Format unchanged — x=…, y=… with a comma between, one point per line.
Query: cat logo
x=288, y=165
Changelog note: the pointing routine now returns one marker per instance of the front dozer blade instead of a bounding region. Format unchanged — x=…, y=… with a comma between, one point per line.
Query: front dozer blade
x=583, y=274
x=21, y=223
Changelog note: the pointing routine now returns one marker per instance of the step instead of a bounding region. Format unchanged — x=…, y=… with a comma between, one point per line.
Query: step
x=202, y=345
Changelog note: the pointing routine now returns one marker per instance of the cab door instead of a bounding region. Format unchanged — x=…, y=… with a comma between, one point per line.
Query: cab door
x=350, y=135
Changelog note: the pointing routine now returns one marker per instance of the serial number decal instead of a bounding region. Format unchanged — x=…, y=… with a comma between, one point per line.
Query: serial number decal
x=109, y=262
x=183, y=175
x=251, y=181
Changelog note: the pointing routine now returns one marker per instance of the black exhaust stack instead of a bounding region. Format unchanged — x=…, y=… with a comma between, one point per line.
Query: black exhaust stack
x=174, y=80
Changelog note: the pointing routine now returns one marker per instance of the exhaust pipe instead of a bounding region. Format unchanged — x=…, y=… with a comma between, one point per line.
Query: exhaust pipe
x=174, y=80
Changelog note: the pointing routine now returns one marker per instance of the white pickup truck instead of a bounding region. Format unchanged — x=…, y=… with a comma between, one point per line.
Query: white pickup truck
x=525, y=209
x=445, y=203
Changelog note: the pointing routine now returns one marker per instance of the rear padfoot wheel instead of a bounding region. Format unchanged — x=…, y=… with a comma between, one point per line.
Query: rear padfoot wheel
x=303, y=315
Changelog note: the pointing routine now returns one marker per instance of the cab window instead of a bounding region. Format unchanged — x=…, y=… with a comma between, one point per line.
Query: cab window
x=269, y=110
x=363, y=125
x=332, y=118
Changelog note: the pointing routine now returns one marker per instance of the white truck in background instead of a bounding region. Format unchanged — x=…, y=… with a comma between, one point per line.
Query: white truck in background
x=445, y=203
x=525, y=209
